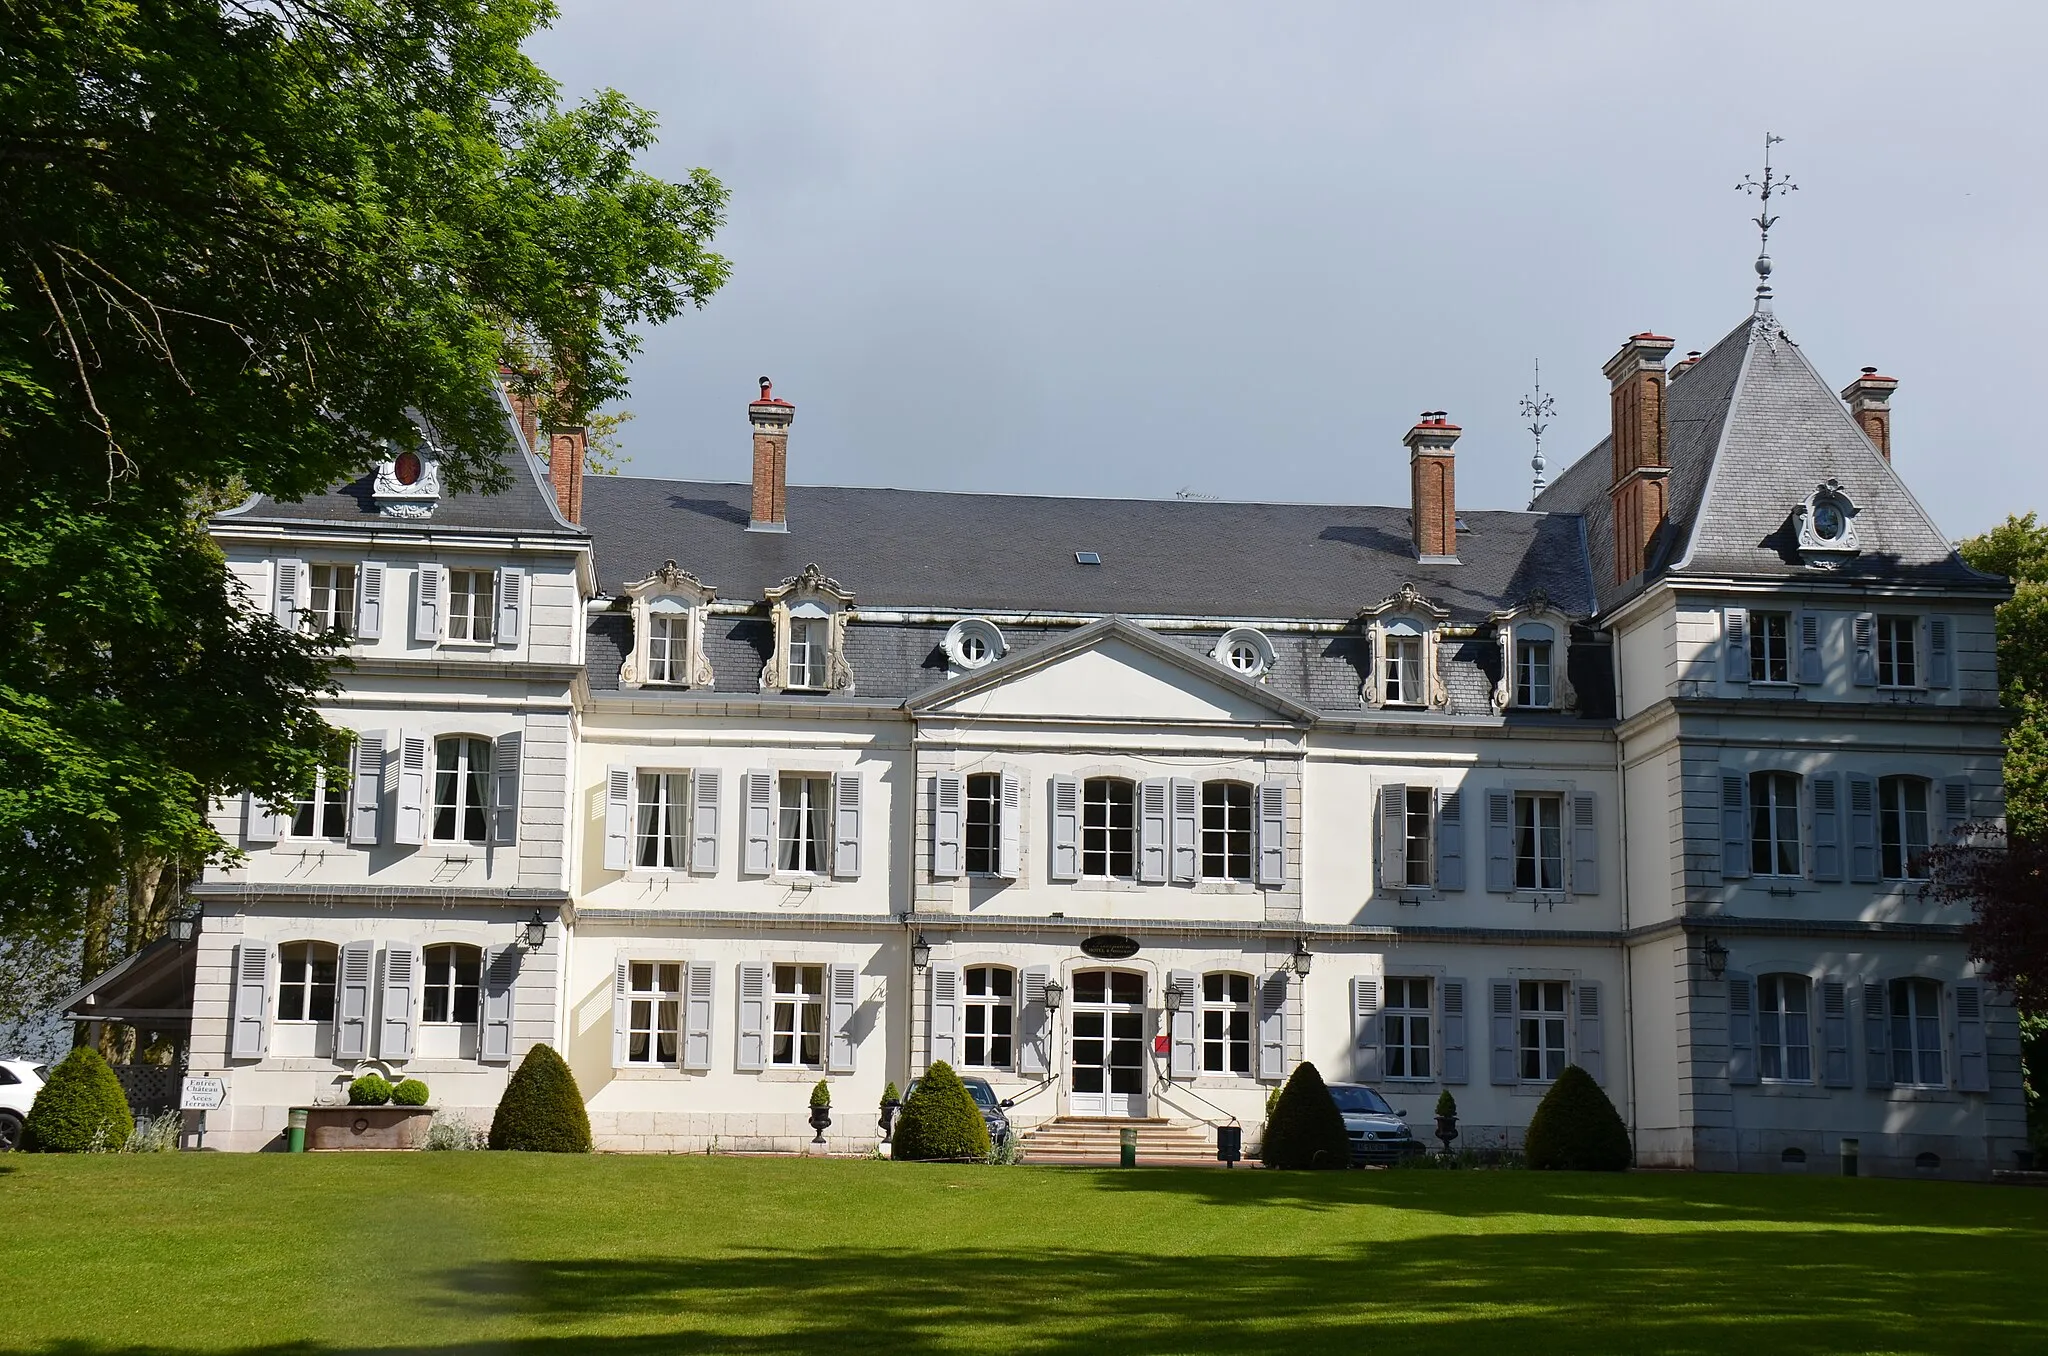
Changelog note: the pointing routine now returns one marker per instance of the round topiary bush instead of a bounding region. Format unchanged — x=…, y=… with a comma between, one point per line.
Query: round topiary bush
x=410, y=1092
x=369, y=1090
x=542, y=1109
x=1576, y=1128
x=81, y=1109
x=1306, y=1130
x=940, y=1121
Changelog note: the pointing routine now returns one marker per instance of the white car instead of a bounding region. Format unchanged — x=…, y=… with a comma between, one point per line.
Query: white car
x=20, y=1081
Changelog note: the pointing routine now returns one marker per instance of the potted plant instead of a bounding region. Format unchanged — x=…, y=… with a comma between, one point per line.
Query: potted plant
x=821, y=1110
x=1446, y=1120
x=377, y=1116
x=891, y=1104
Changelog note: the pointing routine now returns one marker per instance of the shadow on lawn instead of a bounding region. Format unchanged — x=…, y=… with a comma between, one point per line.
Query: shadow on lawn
x=1701, y=1291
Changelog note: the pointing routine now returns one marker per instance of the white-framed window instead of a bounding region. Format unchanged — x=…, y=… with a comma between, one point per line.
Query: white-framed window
x=1403, y=684
x=1226, y=831
x=807, y=646
x=1902, y=827
x=990, y=1017
x=1539, y=840
x=1109, y=828
x=1404, y=1028
x=1246, y=650
x=305, y=981
x=804, y=834
x=1244, y=656
x=472, y=604
x=799, y=1032
x=1533, y=686
x=330, y=599
x=661, y=827
x=1227, y=1023
x=1784, y=1039
x=1916, y=1033
x=451, y=984
x=973, y=643
x=462, y=789
x=1770, y=647
x=1898, y=652
x=984, y=824
x=1418, y=817
x=654, y=999
x=668, y=647
x=323, y=812
x=1540, y=1029
x=1774, y=824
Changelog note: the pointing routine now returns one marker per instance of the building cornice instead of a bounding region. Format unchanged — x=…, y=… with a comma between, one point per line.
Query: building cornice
x=1800, y=712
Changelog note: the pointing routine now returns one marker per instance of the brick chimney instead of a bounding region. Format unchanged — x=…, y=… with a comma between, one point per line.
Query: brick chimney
x=771, y=419
x=525, y=408
x=1432, y=481
x=565, y=470
x=1641, y=455
x=1870, y=405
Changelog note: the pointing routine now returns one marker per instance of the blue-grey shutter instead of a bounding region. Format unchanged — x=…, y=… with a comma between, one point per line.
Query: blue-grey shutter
x=1010, y=828
x=760, y=812
x=846, y=825
x=1500, y=840
x=706, y=791
x=505, y=788
x=395, y=1003
x=1186, y=796
x=1501, y=1018
x=1863, y=632
x=942, y=1015
x=250, y=1038
x=1182, y=1060
x=1973, y=1073
x=618, y=817
x=1450, y=840
x=1940, y=652
x=1877, y=1057
x=622, y=971
x=410, y=821
x=751, y=1053
x=260, y=824
x=284, y=600
x=370, y=601
x=842, y=999
x=352, y=1001
x=1863, y=861
x=1393, y=837
x=1955, y=808
x=1585, y=844
x=511, y=604
x=700, y=982
x=1809, y=647
x=1154, y=831
x=1827, y=827
x=366, y=789
x=501, y=976
x=1742, y=1060
x=1734, y=825
x=1452, y=1026
x=433, y=596
x=1273, y=1027
x=1735, y=634
x=1064, y=807
x=1272, y=847
x=1592, y=1052
x=1366, y=1059
x=1834, y=1035
x=949, y=818
x=1033, y=1022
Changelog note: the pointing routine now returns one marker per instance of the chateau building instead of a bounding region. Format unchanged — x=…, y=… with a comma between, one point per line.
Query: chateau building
x=1130, y=806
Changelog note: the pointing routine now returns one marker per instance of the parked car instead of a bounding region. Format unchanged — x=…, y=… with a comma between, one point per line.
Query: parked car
x=20, y=1081
x=986, y=1102
x=1378, y=1134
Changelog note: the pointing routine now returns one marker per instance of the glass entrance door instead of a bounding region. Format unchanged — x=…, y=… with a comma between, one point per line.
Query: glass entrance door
x=1106, y=1023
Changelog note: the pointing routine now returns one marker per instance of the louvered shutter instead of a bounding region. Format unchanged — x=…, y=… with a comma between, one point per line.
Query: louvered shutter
x=1183, y=1059
x=1585, y=844
x=1863, y=862
x=501, y=976
x=949, y=813
x=842, y=997
x=366, y=788
x=1366, y=1058
x=284, y=599
x=1809, y=648
x=1393, y=837
x=370, y=601
x=706, y=791
x=250, y=1038
x=752, y=1049
x=760, y=811
x=1940, y=652
x=1955, y=808
x=352, y=1002
x=1864, y=633
x=1450, y=840
x=942, y=1015
x=411, y=825
x=1834, y=1034
x=1033, y=1024
x=1501, y=1020
x=1742, y=1060
x=1273, y=1027
x=1065, y=808
x=700, y=982
x=1734, y=826
x=505, y=788
x=395, y=1003
x=1592, y=1032
x=1500, y=841
x=622, y=971
x=1453, y=1029
x=1877, y=1057
x=1154, y=831
x=1010, y=828
x=1272, y=806
x=846, y=825
x=511, y=604
x=259, y=823
x=618, y=817
x=1827, y=827
x=426, y=617
x=1186, y=795
x=1735, y=634
x=1973, y=1072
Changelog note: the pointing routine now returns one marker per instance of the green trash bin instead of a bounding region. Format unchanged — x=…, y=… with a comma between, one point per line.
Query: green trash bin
x=1127, y=1146
x=295, y=1138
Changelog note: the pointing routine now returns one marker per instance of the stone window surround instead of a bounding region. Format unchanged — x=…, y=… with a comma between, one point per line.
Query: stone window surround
x=1406, y=605
x=1507, y=624
x=670, y=582
x=812, y=591
x=1137, y=775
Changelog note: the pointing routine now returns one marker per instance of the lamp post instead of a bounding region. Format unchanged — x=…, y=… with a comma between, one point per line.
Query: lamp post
x=920, y=954
x=535, y=933
x=1303, y=957
x=1716, y=956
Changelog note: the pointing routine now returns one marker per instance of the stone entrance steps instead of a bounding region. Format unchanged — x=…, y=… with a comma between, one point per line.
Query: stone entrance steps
x=1092, y=1140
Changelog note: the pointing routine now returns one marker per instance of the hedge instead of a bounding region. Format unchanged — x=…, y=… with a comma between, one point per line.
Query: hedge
x=940, y=1121
x=81, y=1109
x=1576, y=1128
x=369, y=1090
x=1306, y=1130
x=542, y=1109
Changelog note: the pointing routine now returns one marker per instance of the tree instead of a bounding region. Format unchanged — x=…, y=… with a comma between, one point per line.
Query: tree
x=940, y=1121
x=81, y=1109
x=2018, y=549
x=542, y=1109
x=1304, y=1128
x=248, y=246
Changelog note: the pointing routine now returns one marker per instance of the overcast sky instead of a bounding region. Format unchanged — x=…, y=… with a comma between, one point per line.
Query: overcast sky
x=1131, y=249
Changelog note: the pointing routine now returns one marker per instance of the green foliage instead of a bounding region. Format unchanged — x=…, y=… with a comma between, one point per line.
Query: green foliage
x=369, y=1090
x=889, y=1093
x=1576, y=1128
x=1446, y=1105
x=2018, y=549
x=409, y=1092
x=542, y=1110
x=1305, y=1129
x=821, y=1096
x=940, y=1121
x=452, y=1133
x=156, y=1134
x=81, y=1109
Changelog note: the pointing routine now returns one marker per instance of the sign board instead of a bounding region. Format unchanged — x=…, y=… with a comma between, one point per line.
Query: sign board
x=202, y=1094
x=1110, y=946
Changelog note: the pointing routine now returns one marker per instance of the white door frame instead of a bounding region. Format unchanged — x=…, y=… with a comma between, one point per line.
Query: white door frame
x=1107, y=1045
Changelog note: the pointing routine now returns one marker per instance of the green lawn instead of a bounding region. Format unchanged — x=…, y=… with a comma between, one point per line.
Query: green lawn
x=499, y=1253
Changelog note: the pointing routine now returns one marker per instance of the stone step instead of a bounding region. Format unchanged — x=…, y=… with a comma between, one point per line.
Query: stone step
x=1099, y=1140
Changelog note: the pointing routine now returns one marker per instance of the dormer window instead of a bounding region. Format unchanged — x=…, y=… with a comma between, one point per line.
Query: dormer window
x=1403, y=633
x=1534, y=641
x=668, y=630
x=1826, y=526
x=1246, y=650
x=808, y=637
x=1401, y=659
x=668, y=642
x=810, y=613
x=1533, y=649
x=974, y=643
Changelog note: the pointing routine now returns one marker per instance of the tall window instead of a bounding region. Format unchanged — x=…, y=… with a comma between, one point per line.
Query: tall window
x=667, y=647
x=451, y=983
x=1108, y=828
x=1897, y=657
x=799, y=1038
x=991, y=1016
x=323, y=812
x=331, y=599
x=807, y=651
x=662, y=833
x=472, y=604
x=1916, y=1032
x=1770, y=642
x=1902, y=827
x=1419, y=816
x=1532, y=673
x=1540, y=1029
x=984, y=823
x=1774, y=824
x=305, y=982
x=462, y=789
x=1539, y=841
x=1404, y=671
x=800, y=846
x=1227, y=1024
x=654, y=996
x=1226, y=831
x=1784, y=1041
x=1404, y=1026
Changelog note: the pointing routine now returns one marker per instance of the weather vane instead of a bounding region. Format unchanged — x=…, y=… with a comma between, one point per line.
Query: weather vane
x=1537, y=409
x=1773, y=184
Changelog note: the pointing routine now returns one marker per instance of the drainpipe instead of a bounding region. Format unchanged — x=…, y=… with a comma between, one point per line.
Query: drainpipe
x=1628, y=968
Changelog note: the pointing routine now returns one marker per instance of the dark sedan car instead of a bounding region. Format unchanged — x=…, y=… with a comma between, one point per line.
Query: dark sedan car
x=986, y=1102
x=1378, y=1134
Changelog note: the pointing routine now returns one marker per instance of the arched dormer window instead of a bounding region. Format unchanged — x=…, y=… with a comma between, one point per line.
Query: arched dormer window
x=1246, y=650
x=1534, y=639
x=668, y=630
x=810, y=613
x=1403, y=636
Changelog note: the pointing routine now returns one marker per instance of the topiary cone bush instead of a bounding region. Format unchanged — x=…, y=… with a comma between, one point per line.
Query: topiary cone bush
x=940, y=1121
x=542, y=1109
x=821, y=1096
x=409, y=1092
x=1306, y=1130
x=80, y=1110
x=1576, y=1128
x=369, y=1090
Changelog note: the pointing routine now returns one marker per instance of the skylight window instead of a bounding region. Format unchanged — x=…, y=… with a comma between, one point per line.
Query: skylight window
x=1087, y=557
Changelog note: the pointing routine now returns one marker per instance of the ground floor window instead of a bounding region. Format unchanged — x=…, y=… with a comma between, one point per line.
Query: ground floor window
x=1227, y=1024
x=654, y=994
x=1916, y=1033
x=1541, y=1030
x=1404, y=1023
x=799, y=1037
x=305, y=982
x=449, y=993
x=990, y=1017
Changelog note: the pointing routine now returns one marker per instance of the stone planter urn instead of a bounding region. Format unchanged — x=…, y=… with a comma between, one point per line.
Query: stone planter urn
x=889, y=1110
x=367, y=1127
x=1446, y=1131
x=821, y=1117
